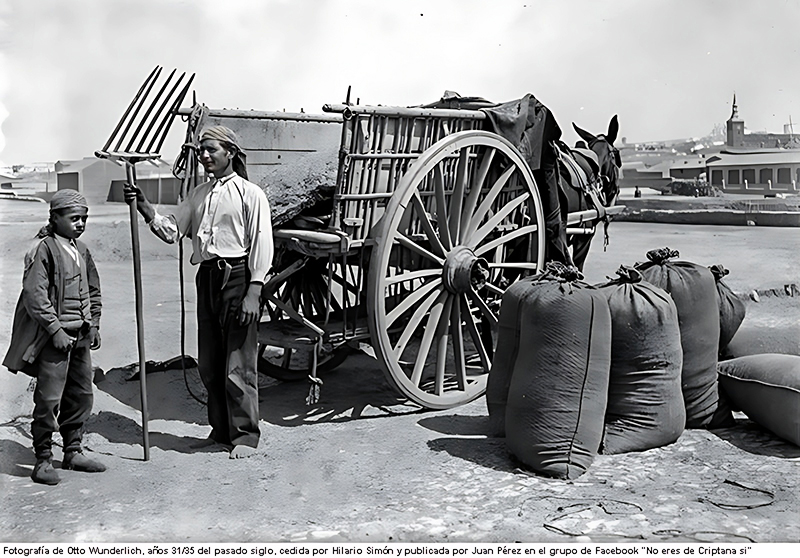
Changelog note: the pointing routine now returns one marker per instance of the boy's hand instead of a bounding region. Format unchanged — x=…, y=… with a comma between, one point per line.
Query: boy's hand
x=94, y=338
x=62, y=341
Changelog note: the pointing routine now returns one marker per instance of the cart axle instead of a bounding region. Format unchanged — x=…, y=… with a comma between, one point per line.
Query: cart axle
x=464, y=271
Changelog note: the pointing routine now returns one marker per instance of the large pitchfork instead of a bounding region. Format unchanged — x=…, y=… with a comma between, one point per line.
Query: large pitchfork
x=138, y=137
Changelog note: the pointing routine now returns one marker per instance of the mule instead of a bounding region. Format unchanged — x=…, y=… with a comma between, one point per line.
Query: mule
x=589, y=179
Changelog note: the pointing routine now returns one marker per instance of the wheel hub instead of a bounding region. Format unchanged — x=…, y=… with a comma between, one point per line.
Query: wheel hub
x=464, y=271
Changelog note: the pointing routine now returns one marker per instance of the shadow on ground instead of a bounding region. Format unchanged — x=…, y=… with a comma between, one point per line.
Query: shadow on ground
x=13, y=456
x=355, y=390
x=118, y=429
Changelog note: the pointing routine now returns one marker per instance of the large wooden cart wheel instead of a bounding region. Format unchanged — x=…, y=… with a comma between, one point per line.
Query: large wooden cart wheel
x=463, y=224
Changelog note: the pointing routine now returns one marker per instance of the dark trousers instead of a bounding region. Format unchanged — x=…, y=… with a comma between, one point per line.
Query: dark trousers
x=227, y=353
x=62, y=400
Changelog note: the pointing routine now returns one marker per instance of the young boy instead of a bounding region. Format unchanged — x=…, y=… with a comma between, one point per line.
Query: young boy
x=55, y=325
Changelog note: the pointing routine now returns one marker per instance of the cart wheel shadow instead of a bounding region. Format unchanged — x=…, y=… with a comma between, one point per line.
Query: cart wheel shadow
x=469, y=438
x=355, y=390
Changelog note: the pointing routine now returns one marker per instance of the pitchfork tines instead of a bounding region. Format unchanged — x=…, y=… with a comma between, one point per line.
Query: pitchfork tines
x=143, y=127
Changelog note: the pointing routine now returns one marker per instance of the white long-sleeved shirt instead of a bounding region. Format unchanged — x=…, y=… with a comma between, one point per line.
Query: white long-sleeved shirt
x=226, y=218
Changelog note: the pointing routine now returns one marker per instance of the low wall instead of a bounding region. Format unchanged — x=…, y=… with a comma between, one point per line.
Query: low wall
x=712, y=217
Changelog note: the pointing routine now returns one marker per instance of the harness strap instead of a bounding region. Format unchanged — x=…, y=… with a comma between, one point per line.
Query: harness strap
x=588, y=187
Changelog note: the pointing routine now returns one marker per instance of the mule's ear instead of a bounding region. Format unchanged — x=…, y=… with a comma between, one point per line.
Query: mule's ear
x=613, y=130
x=589, y=138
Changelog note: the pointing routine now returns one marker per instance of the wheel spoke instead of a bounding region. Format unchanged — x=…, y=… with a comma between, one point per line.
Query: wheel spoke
x=441, y=345
x=475, y=334
x=475, y=190
x=457, y=198
x=514, y=265
x=483, y=307
x=307, y=301
x=318, y=295
x=495, y=220
x=522, y=231
x=441, y=208
x=427, y=226
x=414, y=247
x=458, y=345
x=494, y=288
x=346, y=285
x=411, y=275
x=427, y=337
x=410, y=301
x=414, y=322
x=486, y=204
x=295, y=297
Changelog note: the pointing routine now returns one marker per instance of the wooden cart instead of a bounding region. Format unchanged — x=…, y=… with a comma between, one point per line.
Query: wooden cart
x=431, y=219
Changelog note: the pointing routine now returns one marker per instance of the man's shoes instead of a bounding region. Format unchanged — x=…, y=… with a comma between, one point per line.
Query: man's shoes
x=76, y=461
x=44, y=473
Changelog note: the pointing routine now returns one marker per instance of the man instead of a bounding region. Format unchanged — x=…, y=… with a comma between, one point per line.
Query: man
x=228, y=219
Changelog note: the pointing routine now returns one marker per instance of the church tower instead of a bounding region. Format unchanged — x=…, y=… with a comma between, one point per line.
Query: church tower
x=735, y=127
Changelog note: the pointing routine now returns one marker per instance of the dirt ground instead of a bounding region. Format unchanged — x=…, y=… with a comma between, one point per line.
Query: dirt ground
x=364, y=465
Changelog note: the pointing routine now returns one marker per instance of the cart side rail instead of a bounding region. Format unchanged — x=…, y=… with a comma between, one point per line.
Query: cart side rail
x=378, y=145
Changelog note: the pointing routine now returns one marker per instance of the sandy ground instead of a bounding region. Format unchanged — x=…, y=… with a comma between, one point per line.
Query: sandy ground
x=363, y=465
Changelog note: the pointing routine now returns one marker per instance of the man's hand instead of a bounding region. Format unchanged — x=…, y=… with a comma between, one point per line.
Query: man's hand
x=132, y=193
x=251, y=305
x=94, y=338
x=62, y=341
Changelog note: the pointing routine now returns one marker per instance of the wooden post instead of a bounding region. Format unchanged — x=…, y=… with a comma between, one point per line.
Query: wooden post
x=137, y=283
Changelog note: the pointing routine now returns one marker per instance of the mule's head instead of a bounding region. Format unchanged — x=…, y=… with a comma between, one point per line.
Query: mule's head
x=607, y=156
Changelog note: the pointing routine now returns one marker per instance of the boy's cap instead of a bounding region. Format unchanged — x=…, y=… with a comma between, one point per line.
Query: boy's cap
x=67, y=199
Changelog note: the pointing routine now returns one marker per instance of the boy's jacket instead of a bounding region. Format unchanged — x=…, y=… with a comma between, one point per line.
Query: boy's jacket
x=41, y=300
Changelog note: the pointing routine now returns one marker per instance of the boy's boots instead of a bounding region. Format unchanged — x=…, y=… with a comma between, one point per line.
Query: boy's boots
x=44, y=473
x=76, y=461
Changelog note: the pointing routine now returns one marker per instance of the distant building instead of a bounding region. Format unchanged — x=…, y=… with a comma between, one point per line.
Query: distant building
x=687, y=168
x=101, y=180
x=155, y=179
x=636, y=173
x=761, y=171
x=90, y=176
x=737, y=138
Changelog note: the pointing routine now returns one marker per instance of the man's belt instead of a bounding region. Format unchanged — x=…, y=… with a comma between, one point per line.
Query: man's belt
x=218, y=262
x=225, y=265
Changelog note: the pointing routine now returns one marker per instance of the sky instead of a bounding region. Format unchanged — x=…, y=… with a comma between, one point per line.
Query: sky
x=668, y=68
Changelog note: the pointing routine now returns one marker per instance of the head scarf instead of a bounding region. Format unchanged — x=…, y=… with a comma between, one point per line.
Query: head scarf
x=61, y=200
x=67, y=199
x=226, y=135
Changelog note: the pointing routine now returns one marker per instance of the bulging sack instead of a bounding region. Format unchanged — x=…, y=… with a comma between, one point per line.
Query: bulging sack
x=559, y=377
x=766, y=388
x=693, y=289
x=645, y=404
x=731, y=308
x=505, y=354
